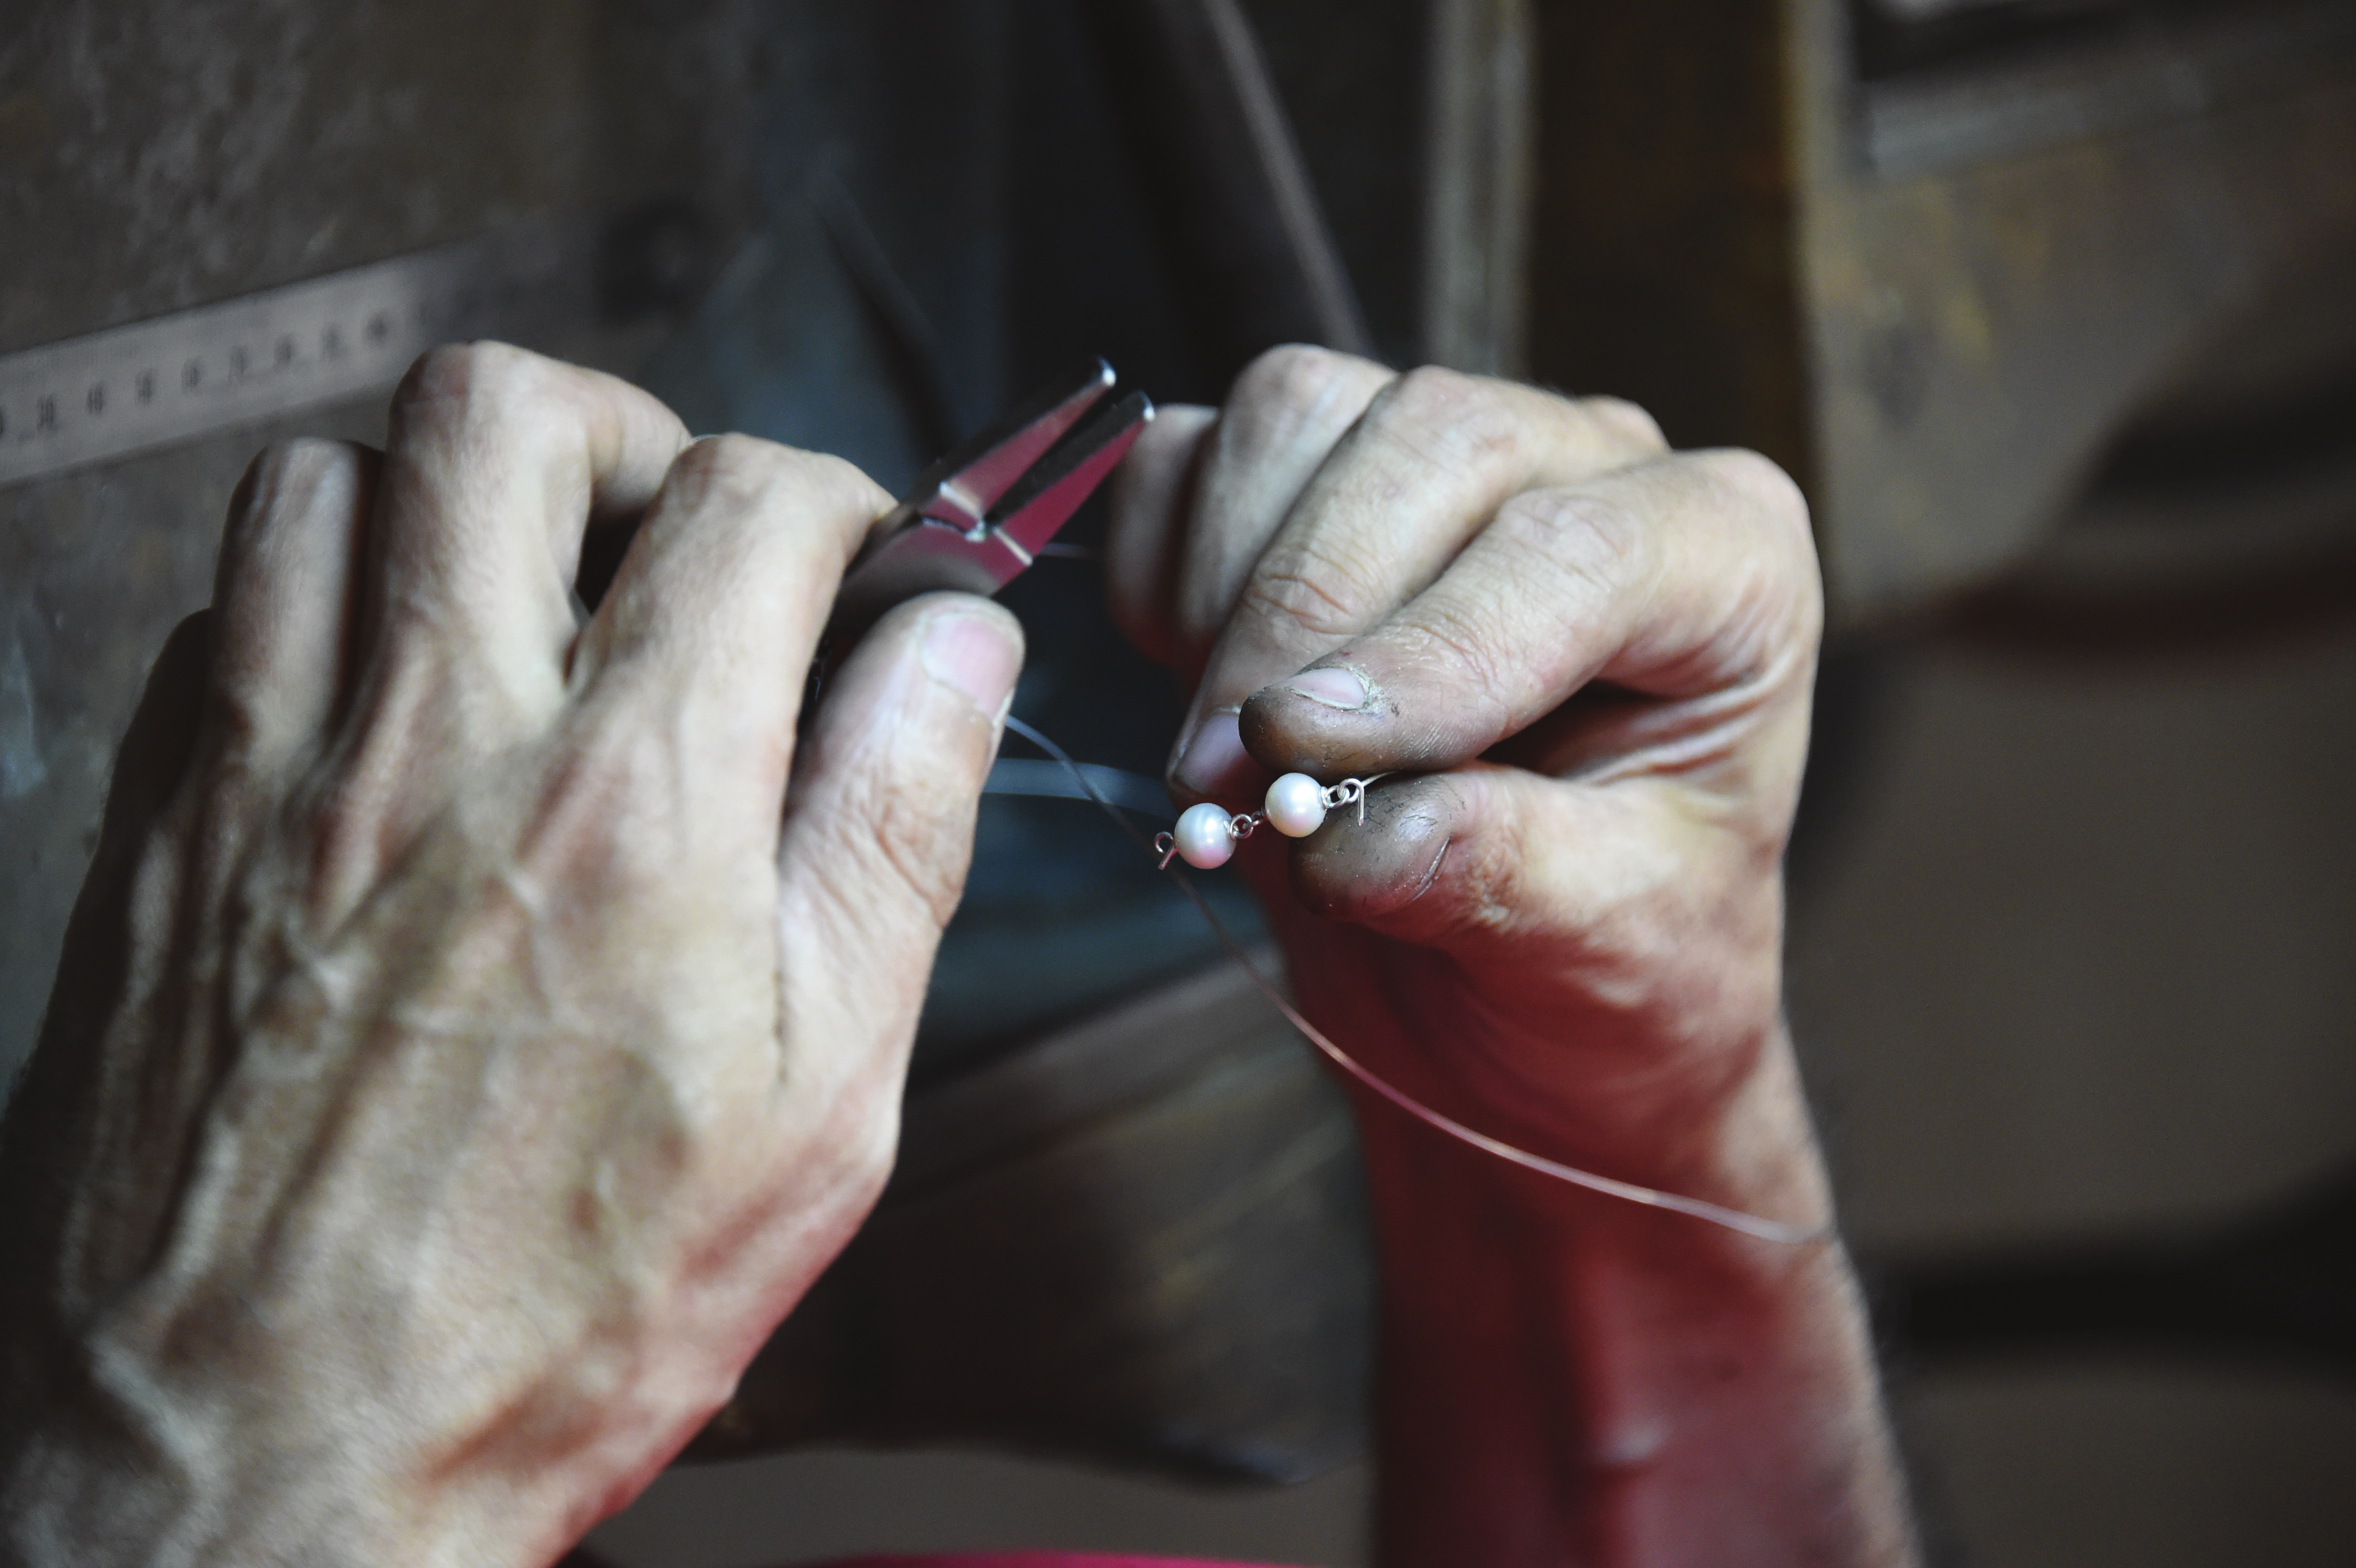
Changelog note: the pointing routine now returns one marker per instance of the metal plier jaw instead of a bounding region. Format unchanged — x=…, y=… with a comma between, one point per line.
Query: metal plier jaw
x=977, y=517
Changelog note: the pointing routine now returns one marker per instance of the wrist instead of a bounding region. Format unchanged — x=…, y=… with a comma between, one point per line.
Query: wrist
x=1560, y=1366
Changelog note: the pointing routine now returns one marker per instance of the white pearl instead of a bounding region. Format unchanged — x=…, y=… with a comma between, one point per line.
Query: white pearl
x=1296, y=805
x=1206, y=840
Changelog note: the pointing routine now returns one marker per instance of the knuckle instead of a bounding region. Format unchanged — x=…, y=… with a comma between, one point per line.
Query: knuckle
x=1294, y=377
x=294, y=469
x=909, y=841
x=299, y=458
x=894, y=835
x=469, y=397
x=747, y=470
x=1760, y=489
x=844, y=485
x=1625, y=421
x=1596, y=536
x=730, y=463
x=1461, y=422
x=1311, y=592
x=1760, y=482
x=466, y=378
x=1481, y=671
x=330, y=475
x=314, y=454
x=260, y=493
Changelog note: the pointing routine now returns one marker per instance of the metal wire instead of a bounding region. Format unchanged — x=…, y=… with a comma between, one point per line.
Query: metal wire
x=1735, y=1219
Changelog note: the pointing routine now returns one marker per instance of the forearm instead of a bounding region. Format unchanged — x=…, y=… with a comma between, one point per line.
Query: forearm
x=1569, y=1378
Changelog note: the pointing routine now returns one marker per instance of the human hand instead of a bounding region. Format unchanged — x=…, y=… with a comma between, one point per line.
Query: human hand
x=467, y=1048
x=1588, y=658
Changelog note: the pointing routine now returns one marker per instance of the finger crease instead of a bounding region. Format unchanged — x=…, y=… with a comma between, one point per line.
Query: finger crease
x=1344, y=618
x=1431, y=872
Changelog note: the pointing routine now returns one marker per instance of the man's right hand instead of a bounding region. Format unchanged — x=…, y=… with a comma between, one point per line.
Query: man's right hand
x=466, y=1051
x=1588, y=660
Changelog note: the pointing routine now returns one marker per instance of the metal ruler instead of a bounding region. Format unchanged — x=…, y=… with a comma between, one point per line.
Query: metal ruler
x=177, y=378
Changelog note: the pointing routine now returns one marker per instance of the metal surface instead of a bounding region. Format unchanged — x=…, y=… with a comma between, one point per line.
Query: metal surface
x=965, y=487
x=278, y=353
x=977, y=518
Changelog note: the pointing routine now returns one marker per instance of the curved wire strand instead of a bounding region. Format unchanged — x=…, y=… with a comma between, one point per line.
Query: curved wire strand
x=1765, y=1230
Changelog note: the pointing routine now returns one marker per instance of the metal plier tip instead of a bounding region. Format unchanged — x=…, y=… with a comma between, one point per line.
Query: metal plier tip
x=977, y=517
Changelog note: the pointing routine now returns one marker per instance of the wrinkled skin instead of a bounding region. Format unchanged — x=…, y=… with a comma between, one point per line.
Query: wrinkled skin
x=1588, y=661
x=1591, y=872
x=465, y=1051
x=467, y=1047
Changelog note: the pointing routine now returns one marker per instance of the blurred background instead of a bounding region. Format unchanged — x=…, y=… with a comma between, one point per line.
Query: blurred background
x=2051, y=304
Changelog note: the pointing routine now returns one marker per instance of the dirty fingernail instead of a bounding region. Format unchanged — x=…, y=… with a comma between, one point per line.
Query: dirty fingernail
x=977, y=656
x=1217, y=744
x=1332, y=687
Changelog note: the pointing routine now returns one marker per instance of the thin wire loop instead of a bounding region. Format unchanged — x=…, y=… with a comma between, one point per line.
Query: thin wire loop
x=1765, y=1230
x=1350, y=792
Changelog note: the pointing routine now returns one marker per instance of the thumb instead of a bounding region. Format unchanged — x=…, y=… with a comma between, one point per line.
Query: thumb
x=1540, y=885
x=878, y=823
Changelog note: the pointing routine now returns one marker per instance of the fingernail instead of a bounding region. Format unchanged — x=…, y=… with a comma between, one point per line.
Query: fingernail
x=1333, y=686
x=975, y=654
x=1217, y=745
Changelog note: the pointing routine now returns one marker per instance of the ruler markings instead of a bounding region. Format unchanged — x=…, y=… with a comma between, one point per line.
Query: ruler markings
x=179, y=377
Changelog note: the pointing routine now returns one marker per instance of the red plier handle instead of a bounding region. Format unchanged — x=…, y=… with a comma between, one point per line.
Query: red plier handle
x=976, y=518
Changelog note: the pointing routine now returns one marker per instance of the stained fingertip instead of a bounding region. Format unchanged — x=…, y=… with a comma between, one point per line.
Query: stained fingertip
x=1377, y=871
x=1336, y=687
x=1329, y=721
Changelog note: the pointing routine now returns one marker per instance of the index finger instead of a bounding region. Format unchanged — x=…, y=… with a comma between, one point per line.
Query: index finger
x=497, y=462
x=1422, y=471
x=1691, y=579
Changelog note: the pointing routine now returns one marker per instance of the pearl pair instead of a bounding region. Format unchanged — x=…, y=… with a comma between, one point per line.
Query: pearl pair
x=1296, y=805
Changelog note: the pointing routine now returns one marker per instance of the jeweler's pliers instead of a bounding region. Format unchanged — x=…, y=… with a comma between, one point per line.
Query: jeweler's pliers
x=977, y=517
